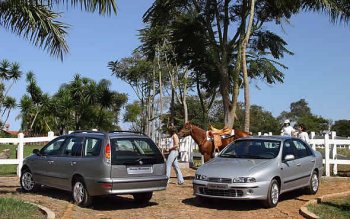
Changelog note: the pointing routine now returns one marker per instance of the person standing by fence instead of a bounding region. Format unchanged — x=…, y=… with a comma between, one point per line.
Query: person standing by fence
x=303, y=135
x=172, y=158
x=287, y=129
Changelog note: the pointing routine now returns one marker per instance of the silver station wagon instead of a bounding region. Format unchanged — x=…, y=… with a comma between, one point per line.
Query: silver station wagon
x=259, y=168
x=93, y=164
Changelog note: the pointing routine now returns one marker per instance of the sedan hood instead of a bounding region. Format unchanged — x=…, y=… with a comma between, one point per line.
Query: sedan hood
x=232, y=167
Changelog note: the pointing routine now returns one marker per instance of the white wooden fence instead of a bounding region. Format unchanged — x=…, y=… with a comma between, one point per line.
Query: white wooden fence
x=20, y=142
x=331, y=143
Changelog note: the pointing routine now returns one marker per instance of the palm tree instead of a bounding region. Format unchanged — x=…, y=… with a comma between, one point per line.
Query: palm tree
x=9, y=104
x=36, y=21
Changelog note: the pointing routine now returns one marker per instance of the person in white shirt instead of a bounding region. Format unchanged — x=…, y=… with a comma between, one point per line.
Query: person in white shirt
x=303, y=135
x=287, y=129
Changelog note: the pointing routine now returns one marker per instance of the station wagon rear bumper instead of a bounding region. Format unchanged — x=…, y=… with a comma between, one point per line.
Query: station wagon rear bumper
x=127, y=185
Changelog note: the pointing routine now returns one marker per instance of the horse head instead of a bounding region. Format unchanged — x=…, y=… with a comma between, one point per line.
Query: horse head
x=186, y=130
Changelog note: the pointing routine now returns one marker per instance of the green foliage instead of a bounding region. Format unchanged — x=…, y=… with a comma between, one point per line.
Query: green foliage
x=9, y=74
x=300, y=113
x=342, y=127
x=263, y=121
x=37, y=22
x=12, y=209
x=133, y=114
x=337, y=208
x=79, y=104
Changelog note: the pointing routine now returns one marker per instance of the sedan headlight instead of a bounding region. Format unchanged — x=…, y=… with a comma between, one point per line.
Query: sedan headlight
x=201, y=177
x=243, y=180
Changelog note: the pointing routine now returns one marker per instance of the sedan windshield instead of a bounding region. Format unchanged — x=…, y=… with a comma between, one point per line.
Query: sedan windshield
x=252, y=148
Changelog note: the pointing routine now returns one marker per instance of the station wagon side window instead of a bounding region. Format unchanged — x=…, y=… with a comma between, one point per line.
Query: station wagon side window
x=53, y=148
x=73, y=147
x=301, y=149
x=92, y=147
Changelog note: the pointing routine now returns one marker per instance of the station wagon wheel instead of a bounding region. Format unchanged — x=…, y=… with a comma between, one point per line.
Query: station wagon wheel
x=313, y=184
x=27, y=182
x=143, y=197
x=80, y=194
x=272, y=194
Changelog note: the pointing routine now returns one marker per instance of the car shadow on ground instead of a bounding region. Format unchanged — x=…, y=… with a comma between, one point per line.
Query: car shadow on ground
x=50, y=192
x=105, y=203
x=240, y=205
x=110, y=203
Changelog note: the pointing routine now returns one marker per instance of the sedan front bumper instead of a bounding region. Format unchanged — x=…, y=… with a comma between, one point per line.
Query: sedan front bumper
x=235, y=191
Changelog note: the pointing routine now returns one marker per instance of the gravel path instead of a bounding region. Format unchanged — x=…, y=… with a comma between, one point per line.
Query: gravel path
x=175, y=202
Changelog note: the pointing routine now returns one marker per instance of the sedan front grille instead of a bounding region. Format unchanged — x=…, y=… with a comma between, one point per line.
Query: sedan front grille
x=220, y=180
x=223, y=193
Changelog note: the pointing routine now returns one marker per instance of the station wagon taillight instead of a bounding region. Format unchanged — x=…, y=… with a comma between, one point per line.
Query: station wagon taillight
x=108, y=152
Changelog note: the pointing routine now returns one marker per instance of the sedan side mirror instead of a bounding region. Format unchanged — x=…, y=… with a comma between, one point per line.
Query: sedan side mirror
x=37, y=152
x=289, y=157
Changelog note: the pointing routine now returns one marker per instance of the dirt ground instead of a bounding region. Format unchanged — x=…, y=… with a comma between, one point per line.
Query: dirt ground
x=177, y=201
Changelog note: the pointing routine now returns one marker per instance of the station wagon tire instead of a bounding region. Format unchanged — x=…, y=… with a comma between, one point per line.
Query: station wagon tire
x=81, y=196
x=27, y=182
x=313, y=184
x=272, y=195
x=143, y=197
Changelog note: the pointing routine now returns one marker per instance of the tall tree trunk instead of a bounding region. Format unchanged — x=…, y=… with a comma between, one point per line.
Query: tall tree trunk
x=224, y=90
x=244, y=68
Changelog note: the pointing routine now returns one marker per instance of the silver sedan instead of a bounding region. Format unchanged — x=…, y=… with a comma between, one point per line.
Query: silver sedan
x=260, y=168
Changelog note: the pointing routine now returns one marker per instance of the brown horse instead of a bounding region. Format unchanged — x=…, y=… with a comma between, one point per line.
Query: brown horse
x=206, y=148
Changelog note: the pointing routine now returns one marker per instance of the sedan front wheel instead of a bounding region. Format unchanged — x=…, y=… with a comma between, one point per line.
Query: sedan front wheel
x=272, y=194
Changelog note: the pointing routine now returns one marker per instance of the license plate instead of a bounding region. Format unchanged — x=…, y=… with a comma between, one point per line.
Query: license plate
x=140, y=170
x=218, y=186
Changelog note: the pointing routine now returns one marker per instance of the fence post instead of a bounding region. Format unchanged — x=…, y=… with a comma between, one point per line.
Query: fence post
x=312, y=135
x=50, y=135
x=270, y=133
x=326, y=146
x=334, y=154
x=20, y=153
x=259, y=133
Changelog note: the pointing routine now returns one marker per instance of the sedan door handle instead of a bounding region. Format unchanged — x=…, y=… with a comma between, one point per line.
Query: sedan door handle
x=299, y=164
x=313, y=161
x=73, y=163
x=50, y=161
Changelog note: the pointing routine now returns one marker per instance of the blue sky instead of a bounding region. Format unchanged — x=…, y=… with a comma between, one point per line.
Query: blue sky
x=318, y=72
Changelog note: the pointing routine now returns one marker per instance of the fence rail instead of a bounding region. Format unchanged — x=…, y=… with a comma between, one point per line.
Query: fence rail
x=20, y=142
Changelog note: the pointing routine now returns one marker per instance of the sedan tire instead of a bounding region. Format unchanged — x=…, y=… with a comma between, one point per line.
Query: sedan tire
x=313, y=184
x=27, y=182
x=272, y=195
x=81, y=196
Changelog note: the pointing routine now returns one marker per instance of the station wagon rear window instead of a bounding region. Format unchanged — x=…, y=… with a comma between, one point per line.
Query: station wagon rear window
x=135, y=151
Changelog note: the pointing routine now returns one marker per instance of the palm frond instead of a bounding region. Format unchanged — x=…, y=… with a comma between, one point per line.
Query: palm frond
x=37, y=23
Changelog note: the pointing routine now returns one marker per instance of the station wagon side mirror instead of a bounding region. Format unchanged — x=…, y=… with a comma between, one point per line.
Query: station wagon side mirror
x=289, y=157
x=37, y=152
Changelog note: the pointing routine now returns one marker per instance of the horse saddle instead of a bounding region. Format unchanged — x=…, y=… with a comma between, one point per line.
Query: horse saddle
x=219, y=134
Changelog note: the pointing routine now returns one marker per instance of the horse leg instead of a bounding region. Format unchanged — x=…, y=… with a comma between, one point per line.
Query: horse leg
x=207, y=157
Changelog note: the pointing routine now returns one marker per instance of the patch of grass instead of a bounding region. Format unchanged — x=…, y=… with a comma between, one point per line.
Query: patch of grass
x=342, y=151
x=13, y=209
x=10, y=170
x=337, y=209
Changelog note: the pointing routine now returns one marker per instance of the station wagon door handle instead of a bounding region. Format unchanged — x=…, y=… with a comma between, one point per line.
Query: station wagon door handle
x=50, y=162
x=73, y=163
x=299, y=164
x=313, y=161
